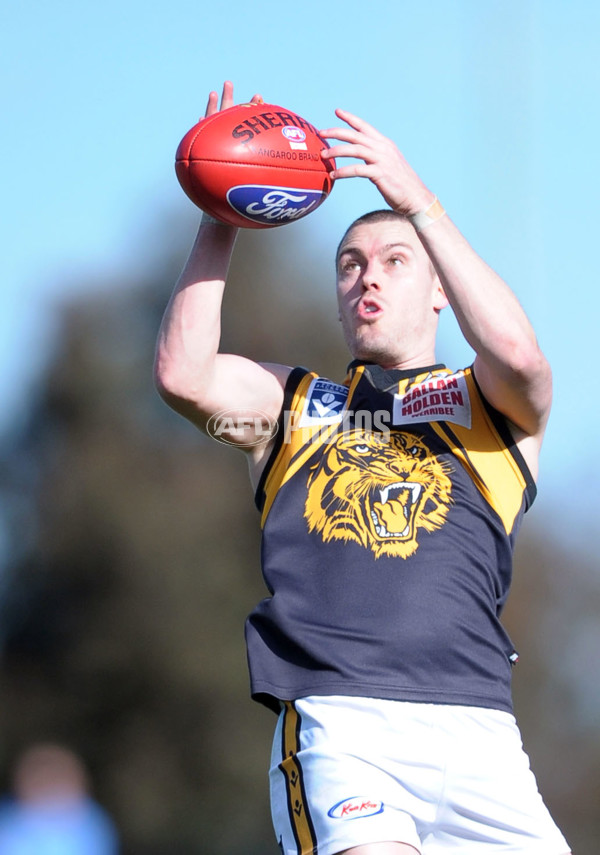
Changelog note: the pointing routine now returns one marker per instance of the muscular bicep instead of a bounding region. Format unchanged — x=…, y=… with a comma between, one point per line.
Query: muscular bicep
x=523, y=396
x=238, y=401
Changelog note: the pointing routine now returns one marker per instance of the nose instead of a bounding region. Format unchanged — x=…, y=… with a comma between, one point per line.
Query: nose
x=371, y=280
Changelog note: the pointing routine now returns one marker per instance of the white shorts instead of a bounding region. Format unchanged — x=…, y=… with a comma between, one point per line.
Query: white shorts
x=350, y=771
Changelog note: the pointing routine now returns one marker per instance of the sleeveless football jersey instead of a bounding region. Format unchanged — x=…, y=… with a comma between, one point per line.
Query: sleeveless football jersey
x=390, y=505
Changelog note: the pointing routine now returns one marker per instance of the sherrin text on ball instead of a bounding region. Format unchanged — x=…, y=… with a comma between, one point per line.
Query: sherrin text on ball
x=254, y=165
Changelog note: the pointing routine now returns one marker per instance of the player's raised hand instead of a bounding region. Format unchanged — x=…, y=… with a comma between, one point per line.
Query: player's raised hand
x=226, y=99
x=383, y=164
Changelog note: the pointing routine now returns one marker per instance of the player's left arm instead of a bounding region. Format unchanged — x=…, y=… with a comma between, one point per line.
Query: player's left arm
x=510, y=368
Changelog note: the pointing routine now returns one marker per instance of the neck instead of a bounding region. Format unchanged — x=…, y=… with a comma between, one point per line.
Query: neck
x=388, y=362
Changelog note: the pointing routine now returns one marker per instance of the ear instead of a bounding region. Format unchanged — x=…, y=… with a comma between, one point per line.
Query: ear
x=440, y=301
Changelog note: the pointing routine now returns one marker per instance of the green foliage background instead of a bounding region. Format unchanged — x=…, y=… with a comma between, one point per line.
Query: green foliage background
x=133, y=558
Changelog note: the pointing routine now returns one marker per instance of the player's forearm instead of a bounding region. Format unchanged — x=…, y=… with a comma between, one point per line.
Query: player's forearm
x=189, y=336
x=489, y=314
x=510, y=367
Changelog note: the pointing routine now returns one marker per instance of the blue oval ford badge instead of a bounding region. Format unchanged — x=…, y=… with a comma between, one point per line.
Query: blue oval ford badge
x=273, y=206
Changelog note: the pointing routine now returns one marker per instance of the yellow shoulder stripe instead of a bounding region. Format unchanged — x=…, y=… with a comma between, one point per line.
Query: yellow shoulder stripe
x=481, y=450
x=299, y=443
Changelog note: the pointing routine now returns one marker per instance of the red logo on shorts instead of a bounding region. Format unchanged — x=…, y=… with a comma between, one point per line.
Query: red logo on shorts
x=355, y=807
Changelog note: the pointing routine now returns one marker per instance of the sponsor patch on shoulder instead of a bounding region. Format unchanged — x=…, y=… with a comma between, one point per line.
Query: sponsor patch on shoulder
x=438, y=398
x=355, y=807
x=325, y=403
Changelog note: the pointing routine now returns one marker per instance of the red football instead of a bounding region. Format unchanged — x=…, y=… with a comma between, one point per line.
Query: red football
x=255, y=166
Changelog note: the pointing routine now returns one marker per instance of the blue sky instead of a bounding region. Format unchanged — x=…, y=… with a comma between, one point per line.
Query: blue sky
x=495, y=102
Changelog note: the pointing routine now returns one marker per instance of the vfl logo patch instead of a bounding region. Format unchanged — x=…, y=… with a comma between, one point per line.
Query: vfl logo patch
x=269, y=205
x=325, y=403
x=378, y=490
x=356, y=807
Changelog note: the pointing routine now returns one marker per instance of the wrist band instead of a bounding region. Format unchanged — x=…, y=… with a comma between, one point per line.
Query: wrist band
x=425, y=218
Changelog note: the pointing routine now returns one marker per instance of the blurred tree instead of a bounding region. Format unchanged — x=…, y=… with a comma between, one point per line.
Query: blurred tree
x=553, y=617
x=134, y=558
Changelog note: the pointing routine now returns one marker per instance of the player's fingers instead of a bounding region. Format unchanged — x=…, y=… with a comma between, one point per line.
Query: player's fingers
x=357, y=123
x=227, y=95
x=348, y=150
x=257, y=99
x=212, y=104
x=355, y=170
x=350, y=135
x=343, y=134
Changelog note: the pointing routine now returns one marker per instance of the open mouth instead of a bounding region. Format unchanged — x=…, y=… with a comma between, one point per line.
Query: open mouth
x=367, y=309
x=393, y=512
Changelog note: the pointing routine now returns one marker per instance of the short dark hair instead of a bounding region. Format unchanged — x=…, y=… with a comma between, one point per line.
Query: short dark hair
x=380, y=216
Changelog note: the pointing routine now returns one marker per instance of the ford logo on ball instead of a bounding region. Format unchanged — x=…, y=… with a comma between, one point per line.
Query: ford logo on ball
x=273, y=205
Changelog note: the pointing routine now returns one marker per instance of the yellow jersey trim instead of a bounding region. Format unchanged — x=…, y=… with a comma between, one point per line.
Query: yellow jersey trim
x=482, y=451
x=299, y=443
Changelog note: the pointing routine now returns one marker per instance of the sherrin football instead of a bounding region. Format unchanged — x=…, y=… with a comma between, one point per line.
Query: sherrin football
x=254, y=165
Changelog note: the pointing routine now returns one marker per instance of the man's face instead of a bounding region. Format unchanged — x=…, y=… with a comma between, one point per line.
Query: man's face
x=389, y=296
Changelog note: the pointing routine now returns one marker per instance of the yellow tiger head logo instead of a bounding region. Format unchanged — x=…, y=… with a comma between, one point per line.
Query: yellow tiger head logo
x=378, y=489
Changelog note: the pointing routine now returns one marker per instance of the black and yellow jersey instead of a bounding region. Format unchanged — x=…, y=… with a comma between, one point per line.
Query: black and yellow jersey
x=389, y=508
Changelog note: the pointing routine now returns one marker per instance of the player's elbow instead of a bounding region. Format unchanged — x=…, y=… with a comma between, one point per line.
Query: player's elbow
x=532, y=373
x=173, y=382
x=165, y=386
x=530, y=365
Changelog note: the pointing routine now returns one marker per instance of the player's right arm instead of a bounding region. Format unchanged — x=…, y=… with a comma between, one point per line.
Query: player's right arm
x=191, y=375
